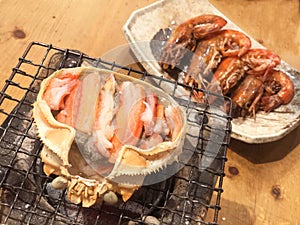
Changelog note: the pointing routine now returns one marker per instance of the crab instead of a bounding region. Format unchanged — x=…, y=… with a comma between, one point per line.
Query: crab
x=103, y=132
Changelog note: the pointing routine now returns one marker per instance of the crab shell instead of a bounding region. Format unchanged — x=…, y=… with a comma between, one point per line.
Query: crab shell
x=84, y=185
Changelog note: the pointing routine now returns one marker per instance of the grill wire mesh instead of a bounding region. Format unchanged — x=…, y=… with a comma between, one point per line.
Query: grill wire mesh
x=191, y=196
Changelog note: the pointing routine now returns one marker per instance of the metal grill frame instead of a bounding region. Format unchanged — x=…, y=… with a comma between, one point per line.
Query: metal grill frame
x=11, y=191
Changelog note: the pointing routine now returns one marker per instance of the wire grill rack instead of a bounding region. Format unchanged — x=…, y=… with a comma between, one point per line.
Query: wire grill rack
x=191, y=196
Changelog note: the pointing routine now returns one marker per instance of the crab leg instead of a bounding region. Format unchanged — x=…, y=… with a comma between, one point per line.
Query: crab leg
x=85, y=103
x=103, y=129
x=80, y=110
x=148, y=116
x=155, y=126
x=161, y=126
x=129, y=125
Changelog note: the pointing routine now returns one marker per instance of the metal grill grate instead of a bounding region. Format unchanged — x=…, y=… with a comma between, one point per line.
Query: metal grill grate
x=191, y=196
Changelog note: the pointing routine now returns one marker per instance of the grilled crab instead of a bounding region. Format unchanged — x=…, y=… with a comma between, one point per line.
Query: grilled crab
x=103, y=132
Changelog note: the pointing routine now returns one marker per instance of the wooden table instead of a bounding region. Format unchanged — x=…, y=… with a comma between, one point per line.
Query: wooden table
x=262, y=182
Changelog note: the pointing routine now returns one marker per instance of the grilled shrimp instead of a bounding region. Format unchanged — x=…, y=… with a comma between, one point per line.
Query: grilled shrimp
x=279, y=90
x=185, y=36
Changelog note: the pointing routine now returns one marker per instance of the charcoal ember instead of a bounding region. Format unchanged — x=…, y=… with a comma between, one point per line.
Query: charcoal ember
x=147, y=220
x=109, y=214
x=102, y=213
x=18, y=184
x=65, y=60
x=188, y=201
x=96, y=215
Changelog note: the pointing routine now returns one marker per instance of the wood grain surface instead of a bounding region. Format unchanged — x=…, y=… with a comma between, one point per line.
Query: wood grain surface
x=262, y=182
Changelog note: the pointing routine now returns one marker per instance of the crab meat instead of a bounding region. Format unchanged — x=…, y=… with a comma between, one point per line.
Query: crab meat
x=103, y=132
x=103, y=129
x=149, y=114
x=128, y=118
x=58, y=89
